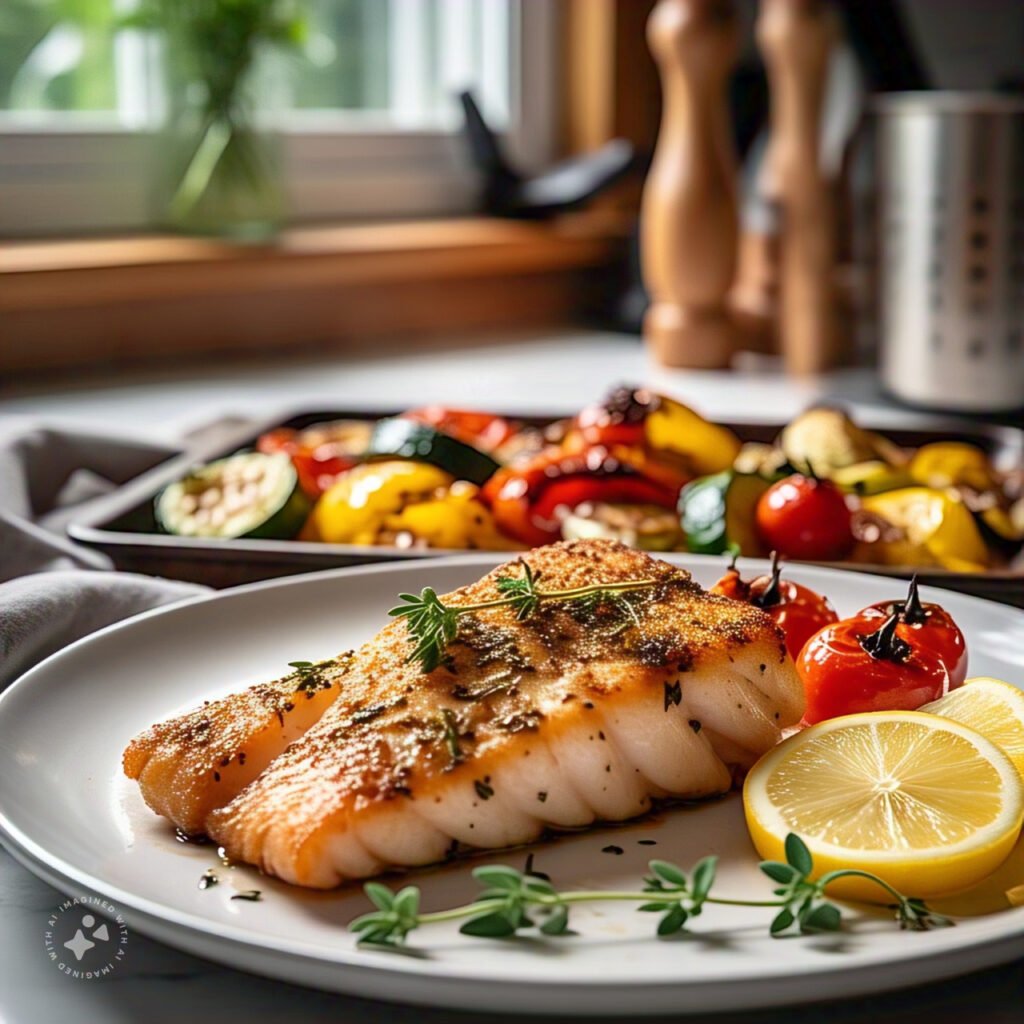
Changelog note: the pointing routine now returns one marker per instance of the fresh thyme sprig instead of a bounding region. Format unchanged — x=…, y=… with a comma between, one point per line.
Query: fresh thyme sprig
x=434, y=624
x=509, y=897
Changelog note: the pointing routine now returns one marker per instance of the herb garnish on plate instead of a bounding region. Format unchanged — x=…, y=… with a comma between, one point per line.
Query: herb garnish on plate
x=504, y=905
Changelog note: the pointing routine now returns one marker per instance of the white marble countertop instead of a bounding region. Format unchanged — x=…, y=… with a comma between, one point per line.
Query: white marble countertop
x=158, y=984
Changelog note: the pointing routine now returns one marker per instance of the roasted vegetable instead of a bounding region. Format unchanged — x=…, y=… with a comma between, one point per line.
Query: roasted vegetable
x=717, y=513
x=248, y=495
x=871, y=477
x=320, y=453
x=805, y=517
x=354, y=510
x=531, y=500
x=454, y=519
x=637, y=418
x=929, y=528
x=409, y=439
x=707, y=447
x=824, y=439
x=481, y=430
x=646, y=527
x=952, y=464
x=764, y=459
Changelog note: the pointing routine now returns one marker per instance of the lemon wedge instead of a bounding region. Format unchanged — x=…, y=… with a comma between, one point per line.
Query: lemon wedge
x=993, y=708
x=927, y=804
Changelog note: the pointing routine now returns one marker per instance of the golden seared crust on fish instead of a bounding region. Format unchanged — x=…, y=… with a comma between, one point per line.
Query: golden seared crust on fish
x=202, y=759
x=577, y=714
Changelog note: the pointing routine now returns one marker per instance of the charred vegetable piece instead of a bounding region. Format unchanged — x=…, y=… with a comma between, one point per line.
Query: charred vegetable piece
x=530, y=501
x=320, y=453
x=355, y=509
x=248, y=495
x=707, y=447
x=646, y=527
x=952, y=464
x=482, y=430
x=717, y=513
x=932, y=527
x=408, y=439
x=873, y=477
x=824, y=439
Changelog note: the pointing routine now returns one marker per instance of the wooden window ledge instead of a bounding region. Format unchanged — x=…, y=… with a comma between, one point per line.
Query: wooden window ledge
x=75, y=303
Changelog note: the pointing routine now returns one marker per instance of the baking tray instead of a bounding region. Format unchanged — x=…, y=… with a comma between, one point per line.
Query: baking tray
x=125, y=528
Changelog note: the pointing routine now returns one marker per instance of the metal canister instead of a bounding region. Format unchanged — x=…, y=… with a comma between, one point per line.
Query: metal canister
x=950, y=273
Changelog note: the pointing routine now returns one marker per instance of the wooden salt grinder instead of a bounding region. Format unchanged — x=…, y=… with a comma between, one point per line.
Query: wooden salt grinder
x=688, y=217
x=796, y=38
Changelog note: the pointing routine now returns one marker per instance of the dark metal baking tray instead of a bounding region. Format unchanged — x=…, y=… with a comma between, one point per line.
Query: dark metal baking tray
x=125, y=528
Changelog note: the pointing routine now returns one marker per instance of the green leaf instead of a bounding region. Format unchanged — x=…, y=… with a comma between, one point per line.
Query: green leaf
x=668, y=872
x=498, y=876
x=488, y=926
x=783, y=919
x=673, y=921
x=703, y=878
x=779, y=872
x=654, y=907
x=380, y=895
x=823, y=918
x=557, y=923
x=373, y=920
x=797, y=854
x=407, y=902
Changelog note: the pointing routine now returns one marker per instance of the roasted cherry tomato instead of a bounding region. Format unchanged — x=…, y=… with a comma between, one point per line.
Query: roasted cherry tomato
x=928, y=625
x=797, y=610
x=803, y=517
x=860, y=665
x=480, y=429
x=530, y=500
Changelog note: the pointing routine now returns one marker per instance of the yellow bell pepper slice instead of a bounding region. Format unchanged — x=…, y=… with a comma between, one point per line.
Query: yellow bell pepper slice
x=676, y=428
x=937, y=529
x=950, y=463
x=354, y=509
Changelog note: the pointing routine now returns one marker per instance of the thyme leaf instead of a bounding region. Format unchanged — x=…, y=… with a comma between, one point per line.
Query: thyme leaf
x=508, y=897
x=434, y=625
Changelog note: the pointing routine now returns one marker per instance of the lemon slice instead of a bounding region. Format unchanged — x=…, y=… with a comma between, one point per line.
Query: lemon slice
x=927, y=804
x=993, y=708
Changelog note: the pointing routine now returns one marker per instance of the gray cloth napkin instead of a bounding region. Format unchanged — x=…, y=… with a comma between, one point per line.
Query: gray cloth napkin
x=53, y=591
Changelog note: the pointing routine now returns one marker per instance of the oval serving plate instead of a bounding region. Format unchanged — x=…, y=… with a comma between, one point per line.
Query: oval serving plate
x=69, y=815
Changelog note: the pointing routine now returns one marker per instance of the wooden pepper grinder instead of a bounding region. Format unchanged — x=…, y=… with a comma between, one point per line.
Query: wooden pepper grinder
x=796, y=38
x=689, y=221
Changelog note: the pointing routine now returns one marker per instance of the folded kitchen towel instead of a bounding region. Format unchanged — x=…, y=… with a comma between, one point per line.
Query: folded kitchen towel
x=52, y=591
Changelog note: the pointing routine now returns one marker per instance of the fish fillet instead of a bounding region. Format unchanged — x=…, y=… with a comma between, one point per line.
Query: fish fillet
x=563, y=719
x=195, y=762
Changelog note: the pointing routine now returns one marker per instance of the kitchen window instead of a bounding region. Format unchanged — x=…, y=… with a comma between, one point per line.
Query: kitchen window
x=368, y=115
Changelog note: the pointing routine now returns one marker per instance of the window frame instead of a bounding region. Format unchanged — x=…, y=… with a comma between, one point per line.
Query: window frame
x=89, y=176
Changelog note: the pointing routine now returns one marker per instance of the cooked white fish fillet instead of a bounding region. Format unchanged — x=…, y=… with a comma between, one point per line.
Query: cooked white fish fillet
x=569, y=717
x=200, y=760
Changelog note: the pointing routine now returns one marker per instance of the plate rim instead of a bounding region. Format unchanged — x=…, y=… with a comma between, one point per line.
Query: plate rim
x=163, y=921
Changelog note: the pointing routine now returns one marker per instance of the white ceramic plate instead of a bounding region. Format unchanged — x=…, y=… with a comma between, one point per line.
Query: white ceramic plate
x=70, y=816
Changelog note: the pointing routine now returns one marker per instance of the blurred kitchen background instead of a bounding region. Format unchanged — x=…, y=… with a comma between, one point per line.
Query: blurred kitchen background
x=193, y=188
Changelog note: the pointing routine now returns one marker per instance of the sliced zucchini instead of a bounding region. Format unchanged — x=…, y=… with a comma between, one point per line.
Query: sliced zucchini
x=247, y=495
x=407, y=439
x=717, y=513
x=825, y=439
